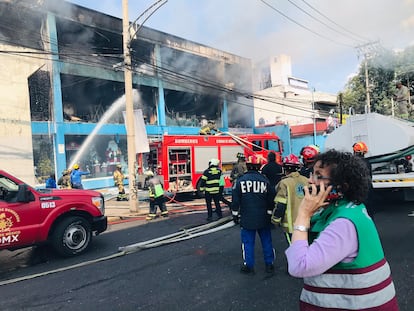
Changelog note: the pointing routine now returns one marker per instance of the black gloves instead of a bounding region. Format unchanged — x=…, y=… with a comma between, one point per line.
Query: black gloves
x=278, y=214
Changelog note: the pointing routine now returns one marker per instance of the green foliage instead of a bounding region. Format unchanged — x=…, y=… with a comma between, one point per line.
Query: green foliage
x=383, y=71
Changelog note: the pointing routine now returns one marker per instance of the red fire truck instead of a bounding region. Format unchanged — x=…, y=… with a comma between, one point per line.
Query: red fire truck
x=182, y=159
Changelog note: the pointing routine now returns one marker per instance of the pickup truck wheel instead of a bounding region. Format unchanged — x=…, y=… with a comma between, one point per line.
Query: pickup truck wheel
x=72, y=236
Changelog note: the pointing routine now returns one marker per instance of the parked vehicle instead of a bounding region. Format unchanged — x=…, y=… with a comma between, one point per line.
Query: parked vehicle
x=181, y=159
x=65, y=219
x=390, y=144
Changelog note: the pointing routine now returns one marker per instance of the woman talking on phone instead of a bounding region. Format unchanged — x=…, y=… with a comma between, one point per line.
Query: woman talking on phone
x=335, y=244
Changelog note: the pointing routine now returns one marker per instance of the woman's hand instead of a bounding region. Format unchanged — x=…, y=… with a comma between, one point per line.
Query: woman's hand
x=314, y=200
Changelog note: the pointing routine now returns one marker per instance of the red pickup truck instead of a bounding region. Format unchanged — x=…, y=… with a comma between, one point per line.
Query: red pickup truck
x=64, y=218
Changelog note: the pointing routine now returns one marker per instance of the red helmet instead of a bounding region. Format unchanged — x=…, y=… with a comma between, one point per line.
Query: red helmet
x=360, y=147
x=255, y=159
x=309, y=153
x=291, y=160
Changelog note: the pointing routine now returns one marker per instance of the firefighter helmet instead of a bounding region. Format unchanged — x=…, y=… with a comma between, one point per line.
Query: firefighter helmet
x=255, y=159
x=76, y=166
x=360, y=147
x=241, y=156
x=291, y=160
x=254, y=162
x=214, y=162
x=309, y=153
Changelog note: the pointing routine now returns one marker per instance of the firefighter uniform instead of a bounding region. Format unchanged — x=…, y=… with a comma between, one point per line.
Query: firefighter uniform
x=210, y=184
x=156, y=195
x=252, y=201
x=289, y=195
x=208, y=129
x=119, y=182
x=64, y=180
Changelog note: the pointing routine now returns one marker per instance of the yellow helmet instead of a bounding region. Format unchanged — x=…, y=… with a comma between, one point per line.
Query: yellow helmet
x=76, y=166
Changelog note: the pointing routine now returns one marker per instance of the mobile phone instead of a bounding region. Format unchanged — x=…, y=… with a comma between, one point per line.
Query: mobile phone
x=333, y=195
x=318, y=188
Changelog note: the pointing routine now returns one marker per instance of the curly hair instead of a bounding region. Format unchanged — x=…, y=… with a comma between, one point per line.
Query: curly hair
x=348, y=172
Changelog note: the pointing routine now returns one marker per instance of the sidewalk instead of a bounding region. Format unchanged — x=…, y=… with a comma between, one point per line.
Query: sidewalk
x=118, y=211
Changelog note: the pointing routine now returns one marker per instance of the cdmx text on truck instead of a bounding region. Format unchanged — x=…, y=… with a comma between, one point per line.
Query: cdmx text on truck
x=66, y=219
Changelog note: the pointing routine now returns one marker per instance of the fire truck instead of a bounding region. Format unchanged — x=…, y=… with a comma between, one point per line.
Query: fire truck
x=180, y=160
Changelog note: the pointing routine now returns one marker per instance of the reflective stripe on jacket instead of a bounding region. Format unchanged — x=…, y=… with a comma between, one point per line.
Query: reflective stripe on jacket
x=210, y=181
x=365, y=283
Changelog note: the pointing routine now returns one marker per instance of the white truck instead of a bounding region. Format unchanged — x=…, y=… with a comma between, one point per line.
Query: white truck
x=390, y=144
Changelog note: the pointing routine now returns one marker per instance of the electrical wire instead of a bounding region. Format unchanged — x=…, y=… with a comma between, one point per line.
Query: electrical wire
x=303, y=26
x=169, y=75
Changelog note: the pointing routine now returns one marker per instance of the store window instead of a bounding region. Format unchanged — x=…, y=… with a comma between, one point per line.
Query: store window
x=100, y=156
x=43, y=157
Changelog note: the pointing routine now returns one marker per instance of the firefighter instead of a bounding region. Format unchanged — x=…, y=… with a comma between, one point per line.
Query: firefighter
x=308, y=154
x=252, y=198
x=209, y=129
x=289, y=194
x=156, y=195
x=210, y=184
x=361, y=149
x=64, y=180
x=239, y=169
x=76, y=177
x=119, y=182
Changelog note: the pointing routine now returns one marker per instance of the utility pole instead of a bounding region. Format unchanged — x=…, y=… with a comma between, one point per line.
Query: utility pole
x=129, y=107
x=367, y=85
x=367, y=50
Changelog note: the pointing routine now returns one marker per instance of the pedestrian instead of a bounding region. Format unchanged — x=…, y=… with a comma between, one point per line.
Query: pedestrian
x=239, y=168
x=210, y=185
x=402, y=96
x=51, y=182
x=252, y=204
x=335, y=246
x=360, y=150
x=76, y=177
x=289, y=195
x=119, y=182
x=308, y=154
x=156, y=195
x=272, y=170
x=64, y=180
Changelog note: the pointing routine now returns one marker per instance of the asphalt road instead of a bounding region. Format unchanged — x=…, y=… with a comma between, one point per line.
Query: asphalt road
x=201, y=273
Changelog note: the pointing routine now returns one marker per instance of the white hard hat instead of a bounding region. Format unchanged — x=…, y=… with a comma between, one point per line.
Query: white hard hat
x=214, y=162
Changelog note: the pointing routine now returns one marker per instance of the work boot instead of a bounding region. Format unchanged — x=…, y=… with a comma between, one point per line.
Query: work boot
x=149, y=218
x=246, y=270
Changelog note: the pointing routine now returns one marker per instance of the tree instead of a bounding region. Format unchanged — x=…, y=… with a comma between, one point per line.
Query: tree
x=383, y=71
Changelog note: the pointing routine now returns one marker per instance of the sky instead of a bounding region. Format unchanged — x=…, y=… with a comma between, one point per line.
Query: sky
x=324, y=38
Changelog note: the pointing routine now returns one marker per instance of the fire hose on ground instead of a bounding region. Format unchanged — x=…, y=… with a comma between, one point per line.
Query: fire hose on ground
x=182, y=235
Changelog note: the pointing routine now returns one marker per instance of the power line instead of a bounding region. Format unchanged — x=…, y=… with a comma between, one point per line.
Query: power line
x=333, y=22
x=323, y=23
x=303, y=26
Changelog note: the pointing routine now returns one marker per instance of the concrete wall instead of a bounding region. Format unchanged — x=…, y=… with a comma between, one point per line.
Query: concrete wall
x=16, y=150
